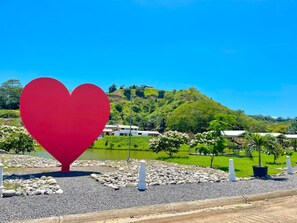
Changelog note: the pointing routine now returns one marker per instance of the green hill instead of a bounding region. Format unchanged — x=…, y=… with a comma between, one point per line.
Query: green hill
x=154, y=109
x=182, y=110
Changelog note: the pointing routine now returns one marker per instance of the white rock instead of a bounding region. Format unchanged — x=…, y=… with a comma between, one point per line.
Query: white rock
x=39, y=192
x=52, y=181
x=60, y=191
x=94, y=176
x=8, y=193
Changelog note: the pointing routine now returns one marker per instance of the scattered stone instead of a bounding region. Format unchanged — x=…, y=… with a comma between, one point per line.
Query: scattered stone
x=8, y=193
x=158, y=173
x=51, y=181
x=31, y=186
x=59, y=191
x=94, y=176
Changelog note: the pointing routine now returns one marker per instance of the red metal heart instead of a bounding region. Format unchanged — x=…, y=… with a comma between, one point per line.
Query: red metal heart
x=64, y=124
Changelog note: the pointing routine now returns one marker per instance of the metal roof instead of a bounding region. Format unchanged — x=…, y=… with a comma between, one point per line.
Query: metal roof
x=233, y=133
x=275, y=134
x=291, y=136
x=128, y=126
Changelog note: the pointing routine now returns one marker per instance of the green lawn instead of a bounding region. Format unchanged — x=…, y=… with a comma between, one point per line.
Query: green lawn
x=122, y=143
x=138, y=143
x=242, y=165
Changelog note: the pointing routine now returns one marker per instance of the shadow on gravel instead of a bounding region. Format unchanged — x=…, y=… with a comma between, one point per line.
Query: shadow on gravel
x=274, y=178
x=52, y=174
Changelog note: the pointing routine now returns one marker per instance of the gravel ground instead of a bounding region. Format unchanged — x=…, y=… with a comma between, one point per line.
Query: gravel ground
x=83, y=194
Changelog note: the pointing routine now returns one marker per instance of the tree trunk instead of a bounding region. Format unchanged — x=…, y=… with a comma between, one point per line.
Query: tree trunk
x=259, y=149
x=274, y=158
x=211, y=160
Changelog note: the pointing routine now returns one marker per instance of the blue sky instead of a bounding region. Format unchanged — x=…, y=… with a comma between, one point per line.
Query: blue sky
x=242, y=53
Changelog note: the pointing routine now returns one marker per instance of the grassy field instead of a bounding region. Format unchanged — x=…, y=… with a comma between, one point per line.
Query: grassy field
x=138, y=143
x=122, y=143
x=150, y=91
x=242, y=165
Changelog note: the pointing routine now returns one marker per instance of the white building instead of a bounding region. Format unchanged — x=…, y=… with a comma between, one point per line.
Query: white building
x=124, y=130
x=148, y=133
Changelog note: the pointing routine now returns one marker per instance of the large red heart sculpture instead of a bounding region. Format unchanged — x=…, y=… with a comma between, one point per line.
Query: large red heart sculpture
x=64, y=124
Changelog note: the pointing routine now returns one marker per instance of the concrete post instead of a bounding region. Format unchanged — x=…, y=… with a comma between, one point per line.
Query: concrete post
x=232, y=176
x=141, y=178
x=289, y=167
x=1, y=179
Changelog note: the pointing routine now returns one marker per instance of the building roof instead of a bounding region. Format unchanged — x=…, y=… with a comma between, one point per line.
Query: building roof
x=233, y=133
x=291, y=136
x=107, y=130
x=110, y=126
x=275, y=134
x=128, y=126
x=149, y=132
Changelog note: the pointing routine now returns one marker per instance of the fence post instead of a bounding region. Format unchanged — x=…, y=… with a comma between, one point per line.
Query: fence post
x=141, y=178
x=1, y=179
x=289, y=167
x=232, y=176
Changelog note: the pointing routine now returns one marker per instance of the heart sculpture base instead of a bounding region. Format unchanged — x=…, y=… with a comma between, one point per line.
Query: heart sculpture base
x=62, y=123
x=65, y=168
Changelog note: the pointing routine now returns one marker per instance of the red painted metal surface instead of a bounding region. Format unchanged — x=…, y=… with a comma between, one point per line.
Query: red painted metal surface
x=64, y=124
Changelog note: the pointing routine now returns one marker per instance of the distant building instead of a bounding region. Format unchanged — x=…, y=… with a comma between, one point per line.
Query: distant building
x=108, y=130
x=124, y=130
x=148, y=133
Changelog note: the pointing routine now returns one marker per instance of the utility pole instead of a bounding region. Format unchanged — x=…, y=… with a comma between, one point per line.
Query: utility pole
x=129, y=154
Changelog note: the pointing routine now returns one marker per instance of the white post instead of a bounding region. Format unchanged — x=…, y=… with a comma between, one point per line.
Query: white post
x=141, y=178
x=1, y=179
x=232, y=176
x=289, y=167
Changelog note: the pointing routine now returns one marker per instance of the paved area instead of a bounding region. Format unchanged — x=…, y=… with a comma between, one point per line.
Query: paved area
x=277, y=210
x=269, y=207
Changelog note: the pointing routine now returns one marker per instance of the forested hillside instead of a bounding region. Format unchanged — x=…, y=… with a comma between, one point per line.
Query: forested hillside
x=182, y=110
x=154, y=109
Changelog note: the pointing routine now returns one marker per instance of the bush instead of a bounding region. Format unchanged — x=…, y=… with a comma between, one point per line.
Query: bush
x=208, y=143
x=169, y=142
x=15, y=138
x=9, y=114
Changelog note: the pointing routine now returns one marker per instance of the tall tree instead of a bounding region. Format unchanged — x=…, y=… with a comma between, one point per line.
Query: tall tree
x=161, y=94
x=112, y=88
x=10, y=92
x=139, y=92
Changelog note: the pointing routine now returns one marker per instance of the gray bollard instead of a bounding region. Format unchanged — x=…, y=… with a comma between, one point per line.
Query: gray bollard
x=141, y=178
x=232, y=176
x=1, y=179
x=289, y=167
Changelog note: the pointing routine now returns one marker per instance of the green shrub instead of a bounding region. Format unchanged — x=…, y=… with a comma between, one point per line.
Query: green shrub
x=15, y=138
x=9, y=113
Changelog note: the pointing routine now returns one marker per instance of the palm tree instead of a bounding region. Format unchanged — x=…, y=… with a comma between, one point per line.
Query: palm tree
x=273, y=147
x=256, y=142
